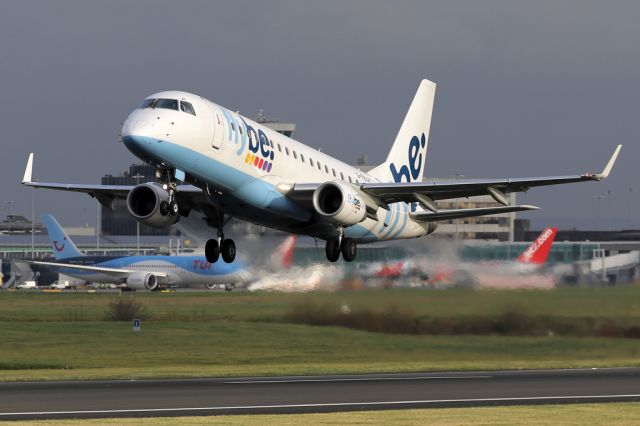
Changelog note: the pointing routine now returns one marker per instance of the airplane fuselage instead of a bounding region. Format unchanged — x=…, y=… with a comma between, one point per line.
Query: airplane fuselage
x=241, y=165
x=182, y=271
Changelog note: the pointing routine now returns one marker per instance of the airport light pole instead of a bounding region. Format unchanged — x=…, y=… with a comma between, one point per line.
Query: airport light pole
x=8, y=203
x=98, y=227
x=33, y=226
x=609, y=195
x=599, y=199
x=629, y=199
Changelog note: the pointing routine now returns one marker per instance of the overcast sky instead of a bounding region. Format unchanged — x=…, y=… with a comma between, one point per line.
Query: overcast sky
x=524, y=88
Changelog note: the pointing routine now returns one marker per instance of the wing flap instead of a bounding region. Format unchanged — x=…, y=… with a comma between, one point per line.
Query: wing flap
x=429, y=216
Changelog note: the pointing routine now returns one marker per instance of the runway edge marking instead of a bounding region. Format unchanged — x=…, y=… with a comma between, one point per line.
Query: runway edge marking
x=330, y=404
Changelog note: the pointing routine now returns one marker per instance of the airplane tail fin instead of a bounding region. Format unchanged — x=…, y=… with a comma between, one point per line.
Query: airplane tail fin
x=61, y=244
x=283, y=257
x=538, y=252
x=406, y=160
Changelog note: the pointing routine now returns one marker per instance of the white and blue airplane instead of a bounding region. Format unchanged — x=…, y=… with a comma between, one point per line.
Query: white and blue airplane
x=222, y=164
x=139, y=272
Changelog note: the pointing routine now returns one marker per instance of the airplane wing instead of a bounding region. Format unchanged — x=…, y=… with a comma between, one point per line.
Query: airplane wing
x=107, y=194
x=379, y=194
x=119, y=273
x=443, y=190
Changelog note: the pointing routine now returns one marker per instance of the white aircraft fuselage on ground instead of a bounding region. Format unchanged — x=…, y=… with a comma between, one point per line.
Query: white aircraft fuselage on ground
x=223, y=164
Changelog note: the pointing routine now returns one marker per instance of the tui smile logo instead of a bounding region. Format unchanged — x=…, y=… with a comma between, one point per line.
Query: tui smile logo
x=59, y=248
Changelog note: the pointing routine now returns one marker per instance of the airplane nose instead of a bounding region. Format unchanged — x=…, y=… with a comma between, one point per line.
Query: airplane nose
x=137, y=135
x=137, y=128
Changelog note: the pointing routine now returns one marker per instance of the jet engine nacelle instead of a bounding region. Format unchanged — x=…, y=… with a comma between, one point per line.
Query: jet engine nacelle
x=142, y=281
x=430, y=227
x=148, y=203
x=340, y=203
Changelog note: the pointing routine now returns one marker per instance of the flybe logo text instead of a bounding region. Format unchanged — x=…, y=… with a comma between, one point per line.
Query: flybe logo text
x=413, y=167
x=254, y=144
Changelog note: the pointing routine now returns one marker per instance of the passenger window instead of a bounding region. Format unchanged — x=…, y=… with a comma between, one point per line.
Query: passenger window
x=295, y=155
x=341, y=176
x=302, y=157
x=311, y=161
x=187, y=107
x=334, y=172
x=166, y=104
x=350, y=181
x=286, y=150
x=279, y=148
x=319, y=166
x=326, y=169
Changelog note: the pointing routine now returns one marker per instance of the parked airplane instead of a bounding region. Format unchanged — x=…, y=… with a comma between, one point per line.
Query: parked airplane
x=224, y=165
x=530, y=260
x=138, y=272
x=528, y=270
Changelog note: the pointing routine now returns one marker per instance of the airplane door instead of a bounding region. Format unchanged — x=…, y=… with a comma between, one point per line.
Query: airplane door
x=218, y=128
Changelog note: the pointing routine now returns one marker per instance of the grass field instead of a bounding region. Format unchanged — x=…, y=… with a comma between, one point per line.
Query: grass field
x=578, y=414
x=63, y=336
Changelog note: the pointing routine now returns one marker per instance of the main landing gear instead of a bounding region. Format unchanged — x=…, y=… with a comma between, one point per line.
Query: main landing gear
x=220, y=246
x=213, y=249
x=337, y=245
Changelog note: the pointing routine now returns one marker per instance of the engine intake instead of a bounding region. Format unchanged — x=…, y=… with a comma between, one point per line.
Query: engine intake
x=142, y=281
x=145, y=203
x=340, y=203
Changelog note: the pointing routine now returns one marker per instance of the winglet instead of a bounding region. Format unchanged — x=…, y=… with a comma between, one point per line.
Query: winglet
x=609, y=166
x=28, y=170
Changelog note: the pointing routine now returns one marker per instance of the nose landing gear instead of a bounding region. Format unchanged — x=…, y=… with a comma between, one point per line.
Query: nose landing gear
x=170, y=207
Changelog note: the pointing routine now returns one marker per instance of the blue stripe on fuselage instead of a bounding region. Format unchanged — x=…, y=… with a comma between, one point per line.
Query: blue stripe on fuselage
x=244, y=187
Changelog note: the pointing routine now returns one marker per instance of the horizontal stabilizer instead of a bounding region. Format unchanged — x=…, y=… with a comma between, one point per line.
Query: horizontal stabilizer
x=428, y=216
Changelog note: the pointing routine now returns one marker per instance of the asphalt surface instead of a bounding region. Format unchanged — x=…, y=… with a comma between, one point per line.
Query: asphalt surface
x=297, y=394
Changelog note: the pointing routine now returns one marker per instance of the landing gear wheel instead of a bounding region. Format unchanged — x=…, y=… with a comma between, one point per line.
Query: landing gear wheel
x=212, y=250
x=228, y=251
x=349, y=249
x=164, y=208
x=332, y=250
x=174, y=209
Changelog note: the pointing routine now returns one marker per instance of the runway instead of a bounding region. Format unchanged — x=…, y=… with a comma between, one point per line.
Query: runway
x=298, y=394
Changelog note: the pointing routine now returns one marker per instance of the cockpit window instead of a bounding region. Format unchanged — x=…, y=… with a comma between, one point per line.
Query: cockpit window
x=187, y=107
x=146, y=103
x=166, y=104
